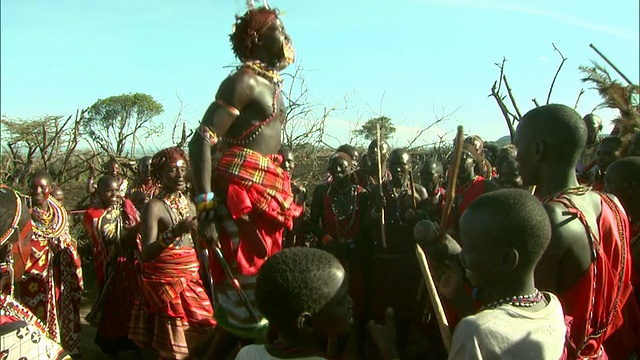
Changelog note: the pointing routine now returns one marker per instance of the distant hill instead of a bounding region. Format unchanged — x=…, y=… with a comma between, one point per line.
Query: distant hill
x=505, y=140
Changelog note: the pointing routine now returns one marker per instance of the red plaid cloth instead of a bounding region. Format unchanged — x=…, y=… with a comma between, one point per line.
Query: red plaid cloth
x=268, y=187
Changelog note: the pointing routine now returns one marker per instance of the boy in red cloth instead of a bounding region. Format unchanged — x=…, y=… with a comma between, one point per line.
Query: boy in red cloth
x=588, y=260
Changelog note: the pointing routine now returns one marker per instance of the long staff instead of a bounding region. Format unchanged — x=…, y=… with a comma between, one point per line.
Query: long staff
x=611, y=64
x=441, y=317
x=382, y=221
x=451, y=185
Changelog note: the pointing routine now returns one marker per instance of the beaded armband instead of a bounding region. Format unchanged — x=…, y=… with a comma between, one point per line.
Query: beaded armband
x=326, y=239
x=167, y=238
x=205, y=202
x=229, y=108
x=209, y=135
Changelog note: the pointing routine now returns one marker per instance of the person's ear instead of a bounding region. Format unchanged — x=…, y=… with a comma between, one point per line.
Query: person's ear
x=539, y=150
x=305, y=323
x=510, y=259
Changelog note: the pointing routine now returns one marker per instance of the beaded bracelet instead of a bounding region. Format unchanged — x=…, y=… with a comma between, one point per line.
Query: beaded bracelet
x=205, y=202
x=326, y=239
x=167, y=238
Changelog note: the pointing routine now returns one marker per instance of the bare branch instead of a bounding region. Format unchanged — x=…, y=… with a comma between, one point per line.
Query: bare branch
x=501, y=67
x=535, y=102
x=557, y=72
x=575, y=106
x=511, y=97
x=503, y=109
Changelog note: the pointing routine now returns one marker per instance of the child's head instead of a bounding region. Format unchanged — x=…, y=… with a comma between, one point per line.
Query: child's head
x=503, y=235
x=305, y=291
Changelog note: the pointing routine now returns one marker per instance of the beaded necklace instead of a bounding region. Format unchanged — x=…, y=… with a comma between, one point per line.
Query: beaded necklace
x=528, y=300
x=42, y=217
x=353, y=205
x=261, y=69
x=396, y=194
x=571, y=190
x=274, y=77
x=50, y=223
x=179, y=205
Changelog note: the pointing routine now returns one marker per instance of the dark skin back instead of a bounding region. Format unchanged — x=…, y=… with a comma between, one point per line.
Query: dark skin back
x=568, y=255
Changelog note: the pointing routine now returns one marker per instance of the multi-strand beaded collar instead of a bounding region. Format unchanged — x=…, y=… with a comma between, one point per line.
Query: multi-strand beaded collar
x=49, y=223
x=179, y=205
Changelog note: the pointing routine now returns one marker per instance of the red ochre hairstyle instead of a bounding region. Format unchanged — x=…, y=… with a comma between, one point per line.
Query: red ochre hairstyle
x=248, y=29
x=163, y=158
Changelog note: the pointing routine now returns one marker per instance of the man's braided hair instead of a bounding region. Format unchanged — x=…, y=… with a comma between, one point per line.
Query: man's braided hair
x=248, y=28
x=163, y=158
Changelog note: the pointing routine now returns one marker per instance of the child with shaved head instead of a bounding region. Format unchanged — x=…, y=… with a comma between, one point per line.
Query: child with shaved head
x=303, y=292
x=503, y=234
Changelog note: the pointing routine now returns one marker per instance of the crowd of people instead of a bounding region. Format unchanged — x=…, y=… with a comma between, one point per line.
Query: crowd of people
x=218, y=253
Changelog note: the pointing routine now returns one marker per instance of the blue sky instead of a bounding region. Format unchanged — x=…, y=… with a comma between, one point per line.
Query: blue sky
x=411, y=60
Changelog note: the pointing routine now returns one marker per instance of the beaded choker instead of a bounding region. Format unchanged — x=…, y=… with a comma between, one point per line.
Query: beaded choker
x=528, y=300
x=263, y=70
x=572, y=190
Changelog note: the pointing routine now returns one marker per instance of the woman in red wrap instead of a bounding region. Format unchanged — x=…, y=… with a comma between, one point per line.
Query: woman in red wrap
x=173, y=313
x=113, y=225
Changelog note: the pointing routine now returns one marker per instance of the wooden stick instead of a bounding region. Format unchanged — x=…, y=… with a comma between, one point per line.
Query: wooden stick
x=611, y=64
x=443, y=323
x=413, y=190
x=451, y=185
x=382, y=221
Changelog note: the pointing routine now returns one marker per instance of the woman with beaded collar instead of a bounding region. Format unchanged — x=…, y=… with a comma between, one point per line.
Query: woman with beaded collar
x=173, y=313
x=52, y=284
x=22, y=334
x=113, y=224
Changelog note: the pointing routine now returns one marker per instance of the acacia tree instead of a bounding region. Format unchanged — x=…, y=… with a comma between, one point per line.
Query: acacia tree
x=118, y=123
x=48, y=142
x=368, y=131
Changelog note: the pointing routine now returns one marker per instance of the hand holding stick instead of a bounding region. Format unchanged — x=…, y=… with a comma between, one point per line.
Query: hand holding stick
x=443, y=323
